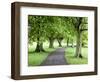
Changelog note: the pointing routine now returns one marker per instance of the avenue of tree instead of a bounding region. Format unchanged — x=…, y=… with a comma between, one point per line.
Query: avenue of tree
x=51, y=28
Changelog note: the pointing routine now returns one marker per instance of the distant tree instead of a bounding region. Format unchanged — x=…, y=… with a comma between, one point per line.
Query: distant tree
x=50, y=30
x=69, y=31
x=60, y=30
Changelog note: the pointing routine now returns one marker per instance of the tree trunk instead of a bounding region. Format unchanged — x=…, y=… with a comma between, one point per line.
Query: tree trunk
x=51, y=40
x=79, y=45
x=72, y=44
x=39, y=46
x=59, y=41
x=67, y=42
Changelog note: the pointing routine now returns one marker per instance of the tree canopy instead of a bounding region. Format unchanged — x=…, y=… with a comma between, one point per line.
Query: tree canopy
x=49, y=28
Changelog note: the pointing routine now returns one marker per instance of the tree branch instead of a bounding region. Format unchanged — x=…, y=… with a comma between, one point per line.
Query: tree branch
x=83, y=29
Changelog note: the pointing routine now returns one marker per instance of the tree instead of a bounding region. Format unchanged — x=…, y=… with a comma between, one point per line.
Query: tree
x=36, y=31
x=60, y=24
x=50, y=30
x=69, y=31
x=42, y=28
x=80, y=24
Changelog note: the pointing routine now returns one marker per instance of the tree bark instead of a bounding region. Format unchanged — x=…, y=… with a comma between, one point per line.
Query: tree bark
x=39, y=47
x=72, y=44
x=51, y=41
x=59, y=41
x=79, y=45
x=67, y=42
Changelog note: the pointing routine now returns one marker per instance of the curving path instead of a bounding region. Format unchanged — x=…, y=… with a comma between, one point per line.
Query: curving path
x=56, y=57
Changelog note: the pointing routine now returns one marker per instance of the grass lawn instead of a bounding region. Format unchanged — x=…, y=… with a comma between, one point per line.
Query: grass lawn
x=69, y=55
x=34, y=58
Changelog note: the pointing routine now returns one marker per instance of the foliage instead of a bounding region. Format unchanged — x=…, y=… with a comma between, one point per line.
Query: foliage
x=51, y=26
x=48, y=28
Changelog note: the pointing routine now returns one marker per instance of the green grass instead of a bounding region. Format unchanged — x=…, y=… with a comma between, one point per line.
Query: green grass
x=34, y=58
x=69, y=56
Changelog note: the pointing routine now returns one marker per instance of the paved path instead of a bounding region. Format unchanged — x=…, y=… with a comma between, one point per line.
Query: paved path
x=55, y=58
